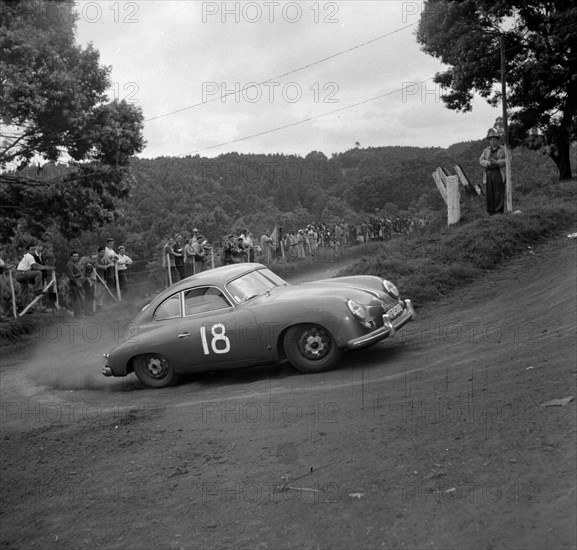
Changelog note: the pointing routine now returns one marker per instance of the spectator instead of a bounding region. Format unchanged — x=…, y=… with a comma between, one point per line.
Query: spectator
x=189, y=257
x=91, y=285
x=267, y=245
x=168, y=260
x=110, y=275
x=39, y=257
x=493, y=160
x=228, y=250
x=199, y=256
x=239, y=253
x=76, y=279
x=178, y=249
x=123, y=262
x=300, y=246
x=249, y=246
x=29, y=272
x=103, y=263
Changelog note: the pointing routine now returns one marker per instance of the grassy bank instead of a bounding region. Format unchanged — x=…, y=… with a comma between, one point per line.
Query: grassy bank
x=430, y=265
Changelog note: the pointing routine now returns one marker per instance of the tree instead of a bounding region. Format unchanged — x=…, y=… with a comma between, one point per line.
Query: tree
x=54, y=107
x=540, y=45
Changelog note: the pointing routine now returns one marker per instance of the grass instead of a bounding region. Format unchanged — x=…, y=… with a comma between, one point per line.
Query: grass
x=432, y=264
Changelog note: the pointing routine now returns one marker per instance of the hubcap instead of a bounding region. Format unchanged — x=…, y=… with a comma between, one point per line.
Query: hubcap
x=155, y=367
x=315, y=344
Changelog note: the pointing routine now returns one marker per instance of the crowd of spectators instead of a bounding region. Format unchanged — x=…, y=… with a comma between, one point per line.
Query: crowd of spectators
x=101, y=277
x=91, y=281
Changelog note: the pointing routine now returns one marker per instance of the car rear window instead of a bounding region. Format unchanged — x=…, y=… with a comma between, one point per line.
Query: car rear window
x=169, y=309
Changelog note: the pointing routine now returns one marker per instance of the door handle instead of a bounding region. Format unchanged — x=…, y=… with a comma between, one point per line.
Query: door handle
x=184, y=335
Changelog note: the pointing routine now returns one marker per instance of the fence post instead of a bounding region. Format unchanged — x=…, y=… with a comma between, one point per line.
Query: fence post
x=14, y=310
x=440, y=185
x=168, y=269
x=465, y=181
x=453, y=200
x=56, y=300
x=117, y=281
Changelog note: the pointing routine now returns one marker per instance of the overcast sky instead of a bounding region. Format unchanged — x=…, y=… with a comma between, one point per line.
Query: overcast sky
x=321, y=61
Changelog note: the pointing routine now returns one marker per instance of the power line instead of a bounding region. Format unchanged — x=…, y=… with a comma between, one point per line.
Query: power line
x=301, y=121
x=270, y=80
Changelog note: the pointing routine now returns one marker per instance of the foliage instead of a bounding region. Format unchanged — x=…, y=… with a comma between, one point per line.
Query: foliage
x=540, y=38
x=53, y=105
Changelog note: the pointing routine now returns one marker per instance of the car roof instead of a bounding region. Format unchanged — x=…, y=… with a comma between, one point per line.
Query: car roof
x=216, y=276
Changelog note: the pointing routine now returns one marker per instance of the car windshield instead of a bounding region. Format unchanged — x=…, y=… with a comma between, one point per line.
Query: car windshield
x=253, y=284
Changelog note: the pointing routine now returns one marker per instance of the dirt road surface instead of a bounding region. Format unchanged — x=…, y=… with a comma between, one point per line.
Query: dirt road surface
x=435, y=439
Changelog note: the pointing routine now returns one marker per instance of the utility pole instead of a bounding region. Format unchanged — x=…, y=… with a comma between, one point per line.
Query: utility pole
x=508, y=182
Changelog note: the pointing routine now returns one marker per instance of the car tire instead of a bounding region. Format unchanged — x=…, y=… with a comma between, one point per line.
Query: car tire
x=154, y=370
x=311, y=348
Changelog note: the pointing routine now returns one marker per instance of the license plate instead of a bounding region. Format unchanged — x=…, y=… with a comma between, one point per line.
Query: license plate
x=395, y=311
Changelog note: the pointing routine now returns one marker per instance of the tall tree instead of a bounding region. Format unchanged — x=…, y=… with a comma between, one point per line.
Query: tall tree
x=54, y=106
x=541, y=42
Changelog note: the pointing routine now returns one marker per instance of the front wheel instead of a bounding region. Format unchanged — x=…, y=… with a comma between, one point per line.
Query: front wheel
x=154, y=371
x=311, y=348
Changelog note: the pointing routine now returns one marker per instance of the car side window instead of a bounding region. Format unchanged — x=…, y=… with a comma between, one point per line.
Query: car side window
x=200, y=300
x=169, y=309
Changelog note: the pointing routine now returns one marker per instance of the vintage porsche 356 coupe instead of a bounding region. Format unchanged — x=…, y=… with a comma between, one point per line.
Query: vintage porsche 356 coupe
x=244, y=315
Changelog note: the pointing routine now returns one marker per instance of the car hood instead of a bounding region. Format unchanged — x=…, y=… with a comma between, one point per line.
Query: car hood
x=319, y=291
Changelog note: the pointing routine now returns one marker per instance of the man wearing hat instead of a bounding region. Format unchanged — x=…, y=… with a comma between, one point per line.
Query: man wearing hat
x=493, y=162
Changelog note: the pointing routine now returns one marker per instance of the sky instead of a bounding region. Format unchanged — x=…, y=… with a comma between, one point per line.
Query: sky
x=275, y=77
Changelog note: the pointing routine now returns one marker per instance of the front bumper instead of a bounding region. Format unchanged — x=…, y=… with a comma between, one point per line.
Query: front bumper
x=106, y=370
x=388, y=329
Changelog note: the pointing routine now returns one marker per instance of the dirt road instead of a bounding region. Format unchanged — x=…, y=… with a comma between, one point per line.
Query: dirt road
x=436, y=439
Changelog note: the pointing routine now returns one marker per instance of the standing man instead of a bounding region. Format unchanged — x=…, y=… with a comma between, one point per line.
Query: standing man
x=168, y=255
x=76, y=280
x=266, y=244
x=91, y=284
x=493, y=161
x=198, y=254
x=249, y=246
x=103, y=265
x=123, y=262
x=228, y=251
x=189, y=256
x=112, y=258
x=178, y=249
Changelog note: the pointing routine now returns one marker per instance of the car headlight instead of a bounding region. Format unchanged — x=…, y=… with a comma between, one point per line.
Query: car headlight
x=391, y=288
x=358, y=310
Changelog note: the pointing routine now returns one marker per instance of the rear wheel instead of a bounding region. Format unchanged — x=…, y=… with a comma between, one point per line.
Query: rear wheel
x=311, y=348
x=154, y=370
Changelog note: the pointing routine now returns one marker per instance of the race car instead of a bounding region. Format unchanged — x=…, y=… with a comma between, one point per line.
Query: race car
x=244, y=315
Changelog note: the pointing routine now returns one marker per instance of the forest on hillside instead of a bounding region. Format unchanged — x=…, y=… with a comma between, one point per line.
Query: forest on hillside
x=233, y=191
x=258, y=192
